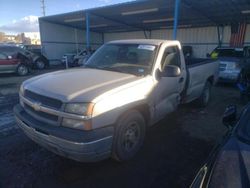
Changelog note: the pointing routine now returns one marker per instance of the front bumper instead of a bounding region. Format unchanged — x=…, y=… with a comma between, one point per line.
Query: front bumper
x=228, y=76
x=84, y=146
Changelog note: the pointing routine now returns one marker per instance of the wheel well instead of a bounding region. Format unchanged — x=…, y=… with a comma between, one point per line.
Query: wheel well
x=211, y=80
x=144, y=110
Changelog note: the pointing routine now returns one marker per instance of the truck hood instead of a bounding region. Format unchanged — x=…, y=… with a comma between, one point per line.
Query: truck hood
x=78, y=85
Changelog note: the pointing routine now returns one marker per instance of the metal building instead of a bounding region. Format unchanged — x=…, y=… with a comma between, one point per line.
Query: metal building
x=201, y=24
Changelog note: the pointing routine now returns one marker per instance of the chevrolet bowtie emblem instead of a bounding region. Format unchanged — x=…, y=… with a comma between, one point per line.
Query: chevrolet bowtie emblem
x=37, y=106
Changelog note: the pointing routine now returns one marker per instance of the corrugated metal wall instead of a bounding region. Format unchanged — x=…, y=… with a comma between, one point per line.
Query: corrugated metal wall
x=58, y=40
x=203, y=40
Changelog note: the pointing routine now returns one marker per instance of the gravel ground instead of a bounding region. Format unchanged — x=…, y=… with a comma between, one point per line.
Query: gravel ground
x=173, y=151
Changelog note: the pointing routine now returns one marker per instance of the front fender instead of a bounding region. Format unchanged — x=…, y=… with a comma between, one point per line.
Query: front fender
x=111, y=105
x=112, y=116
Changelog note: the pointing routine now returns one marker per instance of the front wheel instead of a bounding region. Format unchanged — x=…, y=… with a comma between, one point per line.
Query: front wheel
x=129, y=136
x=204, y=99
x=40, y=64
x=22, y=70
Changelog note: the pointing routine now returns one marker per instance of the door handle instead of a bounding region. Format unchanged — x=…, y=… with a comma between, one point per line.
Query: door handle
x=181, y=80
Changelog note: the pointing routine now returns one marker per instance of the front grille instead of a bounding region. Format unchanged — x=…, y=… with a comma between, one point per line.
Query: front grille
x=40, y=114
x=46, y=101
x=222, y=67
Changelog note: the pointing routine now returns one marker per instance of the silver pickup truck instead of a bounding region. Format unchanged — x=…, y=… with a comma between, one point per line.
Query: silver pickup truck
x=102, y=110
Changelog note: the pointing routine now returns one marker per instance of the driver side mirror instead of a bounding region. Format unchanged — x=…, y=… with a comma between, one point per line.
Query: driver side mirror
x=171, y=71
x=230, y=116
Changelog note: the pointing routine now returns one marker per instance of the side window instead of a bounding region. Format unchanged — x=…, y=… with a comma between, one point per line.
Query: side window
x=171, y=56
x=3, y=56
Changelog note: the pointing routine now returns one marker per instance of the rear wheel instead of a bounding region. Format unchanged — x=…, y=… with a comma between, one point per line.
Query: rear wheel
x=204, y=99
x=22, y=70
x=129, y=136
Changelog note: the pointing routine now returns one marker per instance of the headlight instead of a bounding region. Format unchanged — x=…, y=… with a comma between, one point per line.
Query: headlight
x=84, y=109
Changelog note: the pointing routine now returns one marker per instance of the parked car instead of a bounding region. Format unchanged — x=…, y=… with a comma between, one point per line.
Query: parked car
x=35, y=52
x=78, y=59
x=81, y=58
x=14, y=62
x=125, y=87
x=228, y=164
x=231, y=62
x=37, y=49
x=39, y=62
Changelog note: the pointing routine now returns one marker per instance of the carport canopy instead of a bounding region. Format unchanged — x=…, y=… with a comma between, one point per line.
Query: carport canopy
x=156, y=14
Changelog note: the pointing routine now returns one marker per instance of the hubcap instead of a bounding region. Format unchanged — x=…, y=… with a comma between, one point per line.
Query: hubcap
x=131, y=136
x=22, y=70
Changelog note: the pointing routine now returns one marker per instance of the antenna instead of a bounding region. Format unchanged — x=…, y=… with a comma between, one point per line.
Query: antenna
x=43, y=7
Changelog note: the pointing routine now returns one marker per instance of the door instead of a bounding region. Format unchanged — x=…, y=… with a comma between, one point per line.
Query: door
x=6, y=64
x=168, y=89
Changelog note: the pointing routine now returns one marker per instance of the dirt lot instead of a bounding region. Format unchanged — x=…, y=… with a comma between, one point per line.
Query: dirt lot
x=173, y=151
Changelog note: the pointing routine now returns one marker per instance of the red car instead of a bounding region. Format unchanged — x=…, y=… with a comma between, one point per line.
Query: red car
x=13, y=63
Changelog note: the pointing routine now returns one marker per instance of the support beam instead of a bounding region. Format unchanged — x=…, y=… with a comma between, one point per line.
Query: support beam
x=176, y=17
x=87, y=32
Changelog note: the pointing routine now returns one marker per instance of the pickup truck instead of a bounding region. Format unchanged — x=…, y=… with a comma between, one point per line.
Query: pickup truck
x=103, y=109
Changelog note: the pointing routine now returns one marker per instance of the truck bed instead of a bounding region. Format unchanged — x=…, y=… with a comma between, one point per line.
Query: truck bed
x=190, y=62
x=199, y=70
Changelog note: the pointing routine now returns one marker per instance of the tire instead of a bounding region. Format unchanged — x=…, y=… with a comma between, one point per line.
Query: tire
x=22, y=70
x=40, y=64
x=204, y=99
x=129, y=136
x=75, y=63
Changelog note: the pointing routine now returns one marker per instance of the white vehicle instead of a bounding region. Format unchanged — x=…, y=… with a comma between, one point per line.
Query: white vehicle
x=103, y=109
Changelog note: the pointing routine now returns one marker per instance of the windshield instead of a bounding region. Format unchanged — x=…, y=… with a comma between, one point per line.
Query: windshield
x=134, y=59
x=227, y=53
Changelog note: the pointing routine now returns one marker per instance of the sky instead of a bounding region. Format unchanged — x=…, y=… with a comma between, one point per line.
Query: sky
x=18, y=16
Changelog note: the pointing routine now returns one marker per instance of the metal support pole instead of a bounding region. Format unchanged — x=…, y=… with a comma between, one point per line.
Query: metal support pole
x=176, y=16
x=103, y=40
x=220, y=31
x=218, y=34
x=87, y=32
x=145, y=34
x=66, y=62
